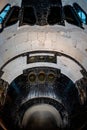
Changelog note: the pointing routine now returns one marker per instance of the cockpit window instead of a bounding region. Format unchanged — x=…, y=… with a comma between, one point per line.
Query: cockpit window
x=71, y=16
x=55, y=15
x=41, y=12
x=8, y=16
x=13, y=16
x=4, y=13
x=81, y=13
x=29, y=15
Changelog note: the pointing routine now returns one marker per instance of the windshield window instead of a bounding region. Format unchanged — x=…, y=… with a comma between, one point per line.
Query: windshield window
x=4, y=12
x=81, y=13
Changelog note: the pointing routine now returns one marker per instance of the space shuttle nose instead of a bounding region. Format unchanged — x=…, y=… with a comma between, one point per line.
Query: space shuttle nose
x=42, y=117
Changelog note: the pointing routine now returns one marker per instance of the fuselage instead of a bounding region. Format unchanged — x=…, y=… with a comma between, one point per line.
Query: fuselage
x=43, y=64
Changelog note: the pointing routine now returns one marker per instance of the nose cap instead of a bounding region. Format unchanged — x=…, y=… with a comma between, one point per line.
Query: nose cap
x=42, y=117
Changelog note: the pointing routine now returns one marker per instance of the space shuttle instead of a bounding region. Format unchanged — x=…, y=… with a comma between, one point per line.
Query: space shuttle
x=43, y=64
